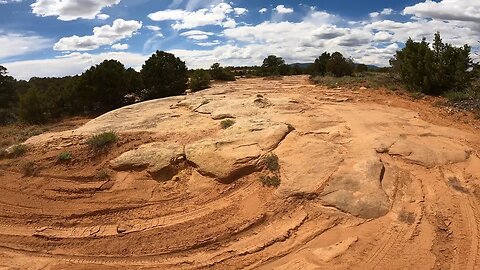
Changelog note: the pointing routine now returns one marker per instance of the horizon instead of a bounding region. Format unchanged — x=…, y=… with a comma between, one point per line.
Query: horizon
x=40, y=38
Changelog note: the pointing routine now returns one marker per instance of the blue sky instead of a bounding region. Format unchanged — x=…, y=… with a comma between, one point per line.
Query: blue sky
x=64, y=37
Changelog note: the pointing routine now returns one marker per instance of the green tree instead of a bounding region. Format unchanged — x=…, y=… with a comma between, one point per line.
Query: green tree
x=433, y=70
x=340, y=66
x=103, y=87
x=199, y=80
x=273, y=65
x=320, y=64
x=7, y=91
x=164, y=75
x=32, y=107
x=219, y=73
x=361, y=68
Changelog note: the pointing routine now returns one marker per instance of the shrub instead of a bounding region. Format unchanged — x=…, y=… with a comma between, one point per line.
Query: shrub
x=102, y=140
x=433, y=70
x=271, y=161
x=270, y=181
x=102, y=175
x=65, y=156
x=19, y=150
x=199, y=80
x=416, y=95
x=227, y=123
x=455, y=96
x=219, y=73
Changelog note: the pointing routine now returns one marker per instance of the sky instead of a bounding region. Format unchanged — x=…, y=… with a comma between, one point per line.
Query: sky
x=53, y=38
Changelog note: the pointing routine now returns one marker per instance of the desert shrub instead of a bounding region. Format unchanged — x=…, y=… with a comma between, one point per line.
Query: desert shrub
x=271, y=162
x=164, y=75
x=219, y=73
x=65, y=156
x=102, y=175
x=102, y=140
x=455, y=96
x=19, y=150
x=433, y=70
x=270, y=181
x=199, y=80
x=416, y=95
x=227, y=123
x=373, y=80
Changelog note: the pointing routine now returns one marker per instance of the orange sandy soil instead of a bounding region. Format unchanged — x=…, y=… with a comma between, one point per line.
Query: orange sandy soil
x=84, y=214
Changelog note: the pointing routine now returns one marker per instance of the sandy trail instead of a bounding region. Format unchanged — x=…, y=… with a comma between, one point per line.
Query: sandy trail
x=369, y=180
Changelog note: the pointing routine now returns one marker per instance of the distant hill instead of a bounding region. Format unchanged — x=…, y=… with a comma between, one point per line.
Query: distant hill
x=302, y=65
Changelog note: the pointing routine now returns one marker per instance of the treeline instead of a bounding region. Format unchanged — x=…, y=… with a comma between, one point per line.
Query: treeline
x=103, y=87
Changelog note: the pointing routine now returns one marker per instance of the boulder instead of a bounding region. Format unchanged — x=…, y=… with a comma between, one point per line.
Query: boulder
x=306, y=163
x=158, y=158
x=238, y=150
x=356, y=189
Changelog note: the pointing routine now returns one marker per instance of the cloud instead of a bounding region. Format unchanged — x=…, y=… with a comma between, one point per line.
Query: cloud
x=281, y=9
x=16, y=44
x=195, y=32
x=240, y=11
x=263, y=10
x=457, y=10
x=215, y=15
x=70, y=64
x=120, y=47
x=385, y=11
x=9, y=1
x=102, y=16
x=104, y=35
x=69, y=10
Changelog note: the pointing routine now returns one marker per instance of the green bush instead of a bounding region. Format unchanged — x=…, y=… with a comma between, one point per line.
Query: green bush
x=199, y=80
x=433, y=70
x=227, y=123
x=219, y=73
x=19, y=150
x=270, y=181
x=271, y=162
x=102, y=175
x=102, y=140
x=65, y=156
x=455, y=96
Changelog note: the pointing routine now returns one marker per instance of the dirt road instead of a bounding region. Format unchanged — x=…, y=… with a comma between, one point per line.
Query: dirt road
x=369, y=180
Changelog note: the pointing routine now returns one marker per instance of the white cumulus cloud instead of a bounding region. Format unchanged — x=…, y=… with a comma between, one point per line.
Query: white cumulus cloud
x=104, y=35
x=281, y=9
x=215, y=15
x=69, y=10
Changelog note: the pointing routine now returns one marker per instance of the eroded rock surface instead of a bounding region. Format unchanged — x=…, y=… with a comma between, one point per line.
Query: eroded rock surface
x=360, y=183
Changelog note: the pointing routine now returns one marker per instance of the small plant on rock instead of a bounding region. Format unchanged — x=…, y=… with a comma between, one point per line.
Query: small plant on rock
x=103, y=140
x=227, y=123
x=65, y=156
x=102, y=175
x=270, y=181
x=271, y=161
x=19, y=150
